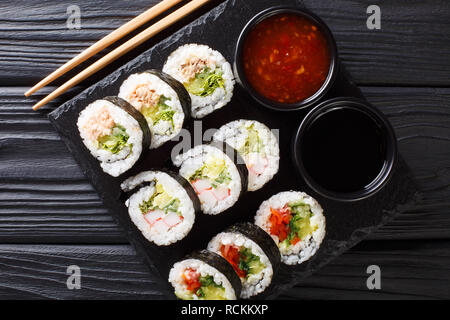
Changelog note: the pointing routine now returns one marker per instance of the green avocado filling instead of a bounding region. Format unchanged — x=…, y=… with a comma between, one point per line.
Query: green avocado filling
x=159, y=112
x=205, y=82
x=116, y=141
x=214, y=170
x=249, y=262
x=210, y=290
x=253, y=143
x=300, y=223
x=160, y=200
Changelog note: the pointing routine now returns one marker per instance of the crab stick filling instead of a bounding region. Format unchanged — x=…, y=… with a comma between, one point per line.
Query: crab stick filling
x=210, y=182
x=256, y=163
x=161, y=211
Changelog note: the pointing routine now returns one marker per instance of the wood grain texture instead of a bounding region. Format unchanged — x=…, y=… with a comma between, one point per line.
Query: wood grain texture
x=34, y=39
x=107, y=272
x=409, y=270
x=46, y=198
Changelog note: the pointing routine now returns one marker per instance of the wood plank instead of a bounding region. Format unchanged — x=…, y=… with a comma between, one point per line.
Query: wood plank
x=412, y=47
x=44, y=195
x=46, y=199
x=409, y=270
x=108, y=272
x=421, y=120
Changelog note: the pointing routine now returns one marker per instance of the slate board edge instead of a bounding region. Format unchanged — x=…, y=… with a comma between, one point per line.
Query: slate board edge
x=137, y=246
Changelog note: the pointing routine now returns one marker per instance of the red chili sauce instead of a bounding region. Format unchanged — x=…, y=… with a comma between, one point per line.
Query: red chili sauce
x=286, y=58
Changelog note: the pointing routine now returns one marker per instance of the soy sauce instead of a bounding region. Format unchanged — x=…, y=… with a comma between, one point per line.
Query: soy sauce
x=343, y=150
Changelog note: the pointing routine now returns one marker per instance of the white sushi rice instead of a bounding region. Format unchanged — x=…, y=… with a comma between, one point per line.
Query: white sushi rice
x=113, y=164
x=162, y=131
x=175, y=277
x=202, y=106
x=255, y=283
x=306, y=248
x=160, y=237
x=236, y=133
x=190, y=161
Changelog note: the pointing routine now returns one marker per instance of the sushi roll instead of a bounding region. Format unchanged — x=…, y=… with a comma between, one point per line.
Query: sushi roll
x=205, y=74
x=296, y=223
x=217, y=177
x=257, y=145
x=114, y=133
x=204, y=275
x=162, y=205
x=251, y=252
x=162, y=100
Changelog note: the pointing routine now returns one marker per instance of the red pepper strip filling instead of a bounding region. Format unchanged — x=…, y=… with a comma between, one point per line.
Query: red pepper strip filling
x=191, y=278
x=279, y=224
x=232, y=255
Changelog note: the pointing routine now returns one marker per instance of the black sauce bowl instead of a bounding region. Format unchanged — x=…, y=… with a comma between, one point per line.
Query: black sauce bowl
x=274, y=105
x=388, y=136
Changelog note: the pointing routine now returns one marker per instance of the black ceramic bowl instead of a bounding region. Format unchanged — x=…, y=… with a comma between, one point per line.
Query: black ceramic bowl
x=239, y=70
x=387, y=137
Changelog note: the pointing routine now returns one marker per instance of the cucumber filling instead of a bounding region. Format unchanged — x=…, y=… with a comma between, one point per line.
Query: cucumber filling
x=214, y=170
x=299, y=226
x=161, y=200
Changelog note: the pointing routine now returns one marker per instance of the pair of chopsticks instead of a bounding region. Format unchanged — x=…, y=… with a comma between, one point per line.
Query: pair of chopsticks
x=119, y=51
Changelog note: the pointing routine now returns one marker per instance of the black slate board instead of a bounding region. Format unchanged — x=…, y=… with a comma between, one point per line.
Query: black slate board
x=347, y=223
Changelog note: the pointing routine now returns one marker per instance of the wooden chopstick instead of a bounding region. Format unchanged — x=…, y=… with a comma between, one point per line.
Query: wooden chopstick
x=105, y=42
x=123, y=49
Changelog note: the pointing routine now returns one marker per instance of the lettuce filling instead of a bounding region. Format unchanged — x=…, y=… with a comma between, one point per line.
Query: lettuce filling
x=253, y=143
x=206, y=82
x=160, y=112
x=116, y=141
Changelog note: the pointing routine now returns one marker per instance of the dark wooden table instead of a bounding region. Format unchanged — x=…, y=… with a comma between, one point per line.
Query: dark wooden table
x=51, y=218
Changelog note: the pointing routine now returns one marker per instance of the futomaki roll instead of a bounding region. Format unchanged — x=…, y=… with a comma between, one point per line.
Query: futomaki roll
x=252, y=253
x=217, y=174
x=162, y=100
x=205, y=74
x=296, y=223
x=204, y=275
x=114, y=133
x=257, y=145
x=162, y=205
